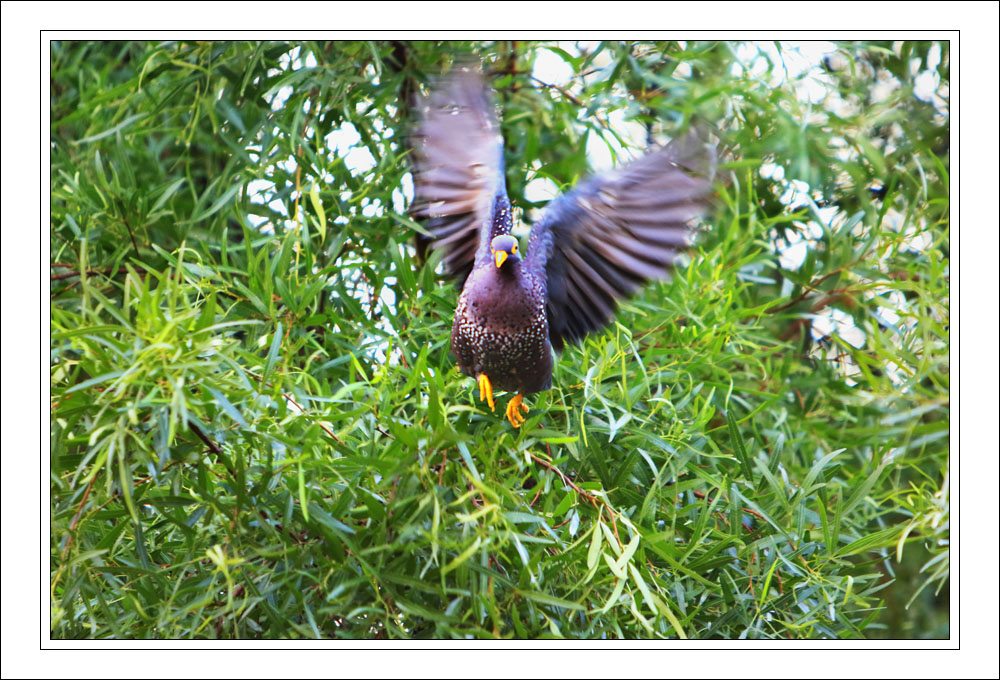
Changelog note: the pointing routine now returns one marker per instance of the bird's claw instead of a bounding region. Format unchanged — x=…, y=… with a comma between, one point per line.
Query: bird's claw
x=486, y=390
x=513, y=414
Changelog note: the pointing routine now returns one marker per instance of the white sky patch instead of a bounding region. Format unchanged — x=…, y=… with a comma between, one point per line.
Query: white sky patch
x=604, y=151
x=599, y=151
x=843, y=361
x=288, y=165
x=342, y=139
x=915, y=237
x=795, y=62
x=345, y=142
x=280, y=97
x=832, y=321
x=372, y=208
x=253, y=151
x=402, y=195
x=934, y=56
x=772, y=171
x=885, y=85
x=550, y=68
x=261, y=191
x=388, y=295
x=891, y=309
x=793, y=255
x=579, y=47
x=359, y=160
x=796, y=193
x=927, y=85
x=541, y=189
x=288, y=60
x=792, y=245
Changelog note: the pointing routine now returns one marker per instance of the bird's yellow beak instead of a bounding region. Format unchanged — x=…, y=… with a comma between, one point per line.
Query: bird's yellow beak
x=500, y=256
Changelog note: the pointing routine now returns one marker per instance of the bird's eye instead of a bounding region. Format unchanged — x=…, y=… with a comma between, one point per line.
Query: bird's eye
x=513, y=248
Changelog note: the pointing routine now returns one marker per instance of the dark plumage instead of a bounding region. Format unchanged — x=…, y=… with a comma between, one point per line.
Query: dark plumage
x=592, y=247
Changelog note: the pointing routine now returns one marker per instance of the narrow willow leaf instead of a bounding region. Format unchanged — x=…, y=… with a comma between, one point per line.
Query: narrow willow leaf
x=317, y=205
x=594, y=551
x=462, y=557
x=273, y=352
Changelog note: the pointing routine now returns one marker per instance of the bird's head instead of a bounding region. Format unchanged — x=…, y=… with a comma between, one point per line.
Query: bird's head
x=504, y=247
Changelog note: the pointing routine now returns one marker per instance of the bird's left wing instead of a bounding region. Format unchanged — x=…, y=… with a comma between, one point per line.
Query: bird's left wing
x=610, y=234
x=458, y=154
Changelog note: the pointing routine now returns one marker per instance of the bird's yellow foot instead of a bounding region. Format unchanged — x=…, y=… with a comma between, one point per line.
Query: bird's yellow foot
x=513, y=414
x=486, y=390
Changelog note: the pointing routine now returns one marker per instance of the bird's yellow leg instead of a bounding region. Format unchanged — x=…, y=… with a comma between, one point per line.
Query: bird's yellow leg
x=513, y=414
x=486, y=390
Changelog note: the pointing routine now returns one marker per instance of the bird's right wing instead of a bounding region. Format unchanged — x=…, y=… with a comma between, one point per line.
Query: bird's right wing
x=458, y=153
x=600, y=242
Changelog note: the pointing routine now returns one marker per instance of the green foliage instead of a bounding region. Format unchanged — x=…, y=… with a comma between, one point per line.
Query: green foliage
x=257, y=429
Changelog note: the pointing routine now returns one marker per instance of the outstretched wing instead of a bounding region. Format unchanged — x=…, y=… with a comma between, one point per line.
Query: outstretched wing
x=615, y=231
x=458, y=154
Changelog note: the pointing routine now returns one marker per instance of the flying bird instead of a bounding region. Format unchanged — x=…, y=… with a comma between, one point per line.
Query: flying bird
x=590, y=248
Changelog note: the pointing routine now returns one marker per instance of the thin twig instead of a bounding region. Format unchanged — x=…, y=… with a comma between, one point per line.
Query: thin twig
x=562, y=91
x=566, y=480
x=322, y=426
x=805, y=293
x=537, y=494
x=130, y=235
x=213, y=447
x=69, y=275
x=614, y=527
x=76, y=518
x=444, y=464
x=65, y=290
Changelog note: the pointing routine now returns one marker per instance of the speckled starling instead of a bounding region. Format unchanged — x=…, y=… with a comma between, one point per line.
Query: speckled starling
x=590, y=248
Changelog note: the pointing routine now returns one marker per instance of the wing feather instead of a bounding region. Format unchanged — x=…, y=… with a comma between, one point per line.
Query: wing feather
x=600, y=242
x=458, y=168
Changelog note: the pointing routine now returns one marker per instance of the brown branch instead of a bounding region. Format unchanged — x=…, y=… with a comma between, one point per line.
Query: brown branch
x=64, y=290
x=76, y=518
x=288, y=396
x=566, y=480
x=130, y=235
x=213, y=447
x=805, y=293
x=563, y=92
x=537, y=494
x=702, y=495
x=614, y=527
x=323, y=427
x=68, y=275
x=444, y=463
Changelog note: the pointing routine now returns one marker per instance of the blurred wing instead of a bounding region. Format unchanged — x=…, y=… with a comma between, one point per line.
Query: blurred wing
x=458, y=164
x=612, y=233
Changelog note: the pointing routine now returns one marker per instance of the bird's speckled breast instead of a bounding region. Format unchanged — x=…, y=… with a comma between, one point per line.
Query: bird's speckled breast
x=501, y=329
